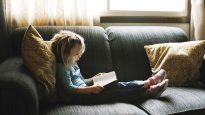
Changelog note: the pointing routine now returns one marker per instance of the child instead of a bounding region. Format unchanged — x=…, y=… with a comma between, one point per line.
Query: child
x=73, y=88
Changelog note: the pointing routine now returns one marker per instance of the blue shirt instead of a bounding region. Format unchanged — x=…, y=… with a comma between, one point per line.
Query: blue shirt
x=70, y=78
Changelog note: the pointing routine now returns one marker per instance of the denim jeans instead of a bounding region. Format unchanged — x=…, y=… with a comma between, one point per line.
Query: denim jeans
x=129, y=92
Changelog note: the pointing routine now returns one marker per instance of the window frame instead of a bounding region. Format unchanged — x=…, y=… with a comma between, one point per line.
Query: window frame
x=145, y=16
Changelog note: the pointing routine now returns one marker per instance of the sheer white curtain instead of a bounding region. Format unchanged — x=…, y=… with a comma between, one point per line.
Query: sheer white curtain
x=53, y=12
x=198, y=20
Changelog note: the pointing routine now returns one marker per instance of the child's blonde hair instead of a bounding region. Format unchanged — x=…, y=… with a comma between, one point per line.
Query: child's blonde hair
x=62, y=44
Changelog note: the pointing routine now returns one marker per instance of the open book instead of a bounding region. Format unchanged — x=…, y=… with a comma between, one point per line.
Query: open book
x=105, y=78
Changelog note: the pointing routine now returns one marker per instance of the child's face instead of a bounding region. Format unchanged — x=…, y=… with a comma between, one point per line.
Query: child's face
x=76, y=53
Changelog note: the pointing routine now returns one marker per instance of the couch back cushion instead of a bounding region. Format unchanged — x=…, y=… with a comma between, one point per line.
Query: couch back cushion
x=97, y=57
x=129, y=58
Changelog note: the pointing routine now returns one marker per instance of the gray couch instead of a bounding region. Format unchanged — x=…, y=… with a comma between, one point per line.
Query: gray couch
x=114, y=48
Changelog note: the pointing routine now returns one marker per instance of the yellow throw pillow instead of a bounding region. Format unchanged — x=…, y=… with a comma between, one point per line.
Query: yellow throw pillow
x=39, y=59
x=181, y=60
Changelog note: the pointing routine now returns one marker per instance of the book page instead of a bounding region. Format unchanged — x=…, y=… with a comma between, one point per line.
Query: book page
x=105, y=78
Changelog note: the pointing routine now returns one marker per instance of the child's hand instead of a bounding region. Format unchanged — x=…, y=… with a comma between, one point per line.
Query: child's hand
x=97, y=89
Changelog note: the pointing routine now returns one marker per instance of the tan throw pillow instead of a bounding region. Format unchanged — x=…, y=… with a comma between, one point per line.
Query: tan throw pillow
x=39, y=59
x=181, y=60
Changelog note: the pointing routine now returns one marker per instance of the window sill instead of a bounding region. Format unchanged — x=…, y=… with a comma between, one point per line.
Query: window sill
x=143, y=19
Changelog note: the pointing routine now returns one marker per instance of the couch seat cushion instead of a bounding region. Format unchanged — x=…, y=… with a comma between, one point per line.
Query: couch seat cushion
x=176, y=100
x=104, y=109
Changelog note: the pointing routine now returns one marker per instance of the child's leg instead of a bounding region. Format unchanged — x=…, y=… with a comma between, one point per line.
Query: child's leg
x=142, y=89
x=130, y=92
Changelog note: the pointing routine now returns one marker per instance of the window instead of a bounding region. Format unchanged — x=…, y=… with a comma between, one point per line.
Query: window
x=168, y=8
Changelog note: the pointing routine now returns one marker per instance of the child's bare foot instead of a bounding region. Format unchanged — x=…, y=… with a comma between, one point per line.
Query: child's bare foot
x=156, y=90
x=157, y=78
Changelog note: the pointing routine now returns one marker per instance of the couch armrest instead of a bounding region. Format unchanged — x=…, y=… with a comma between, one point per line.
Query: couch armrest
x=18, y=90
